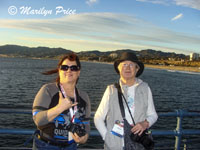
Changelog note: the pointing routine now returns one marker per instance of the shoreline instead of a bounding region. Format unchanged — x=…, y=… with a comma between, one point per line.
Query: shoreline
x=175, y=68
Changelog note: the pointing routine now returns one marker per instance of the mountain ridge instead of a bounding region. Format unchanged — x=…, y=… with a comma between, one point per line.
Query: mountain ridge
x=46, y=52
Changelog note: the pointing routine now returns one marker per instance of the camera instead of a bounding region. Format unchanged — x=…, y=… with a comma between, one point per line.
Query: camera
x=76, y=128
x=143, y=139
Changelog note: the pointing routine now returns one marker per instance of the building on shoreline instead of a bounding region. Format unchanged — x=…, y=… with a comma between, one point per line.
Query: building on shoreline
x=194, y=56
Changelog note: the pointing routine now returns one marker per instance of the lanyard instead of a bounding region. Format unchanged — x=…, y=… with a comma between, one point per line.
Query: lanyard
x=72, y=112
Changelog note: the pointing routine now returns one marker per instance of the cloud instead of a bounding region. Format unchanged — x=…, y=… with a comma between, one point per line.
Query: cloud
x=179, y=16
x=99, y=31
x=82, y=45
x=91, y=2
x=164, y=2
x=195, y=4
x=99, y=25
x=189, y=3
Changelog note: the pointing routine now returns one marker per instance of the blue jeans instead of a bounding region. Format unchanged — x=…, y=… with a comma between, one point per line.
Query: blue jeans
x=41, y=145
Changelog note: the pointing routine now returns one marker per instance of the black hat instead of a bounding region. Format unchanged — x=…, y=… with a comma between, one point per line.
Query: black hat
x=132, y=57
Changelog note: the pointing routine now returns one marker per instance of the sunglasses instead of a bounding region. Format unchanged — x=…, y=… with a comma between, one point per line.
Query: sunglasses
x=72, y=68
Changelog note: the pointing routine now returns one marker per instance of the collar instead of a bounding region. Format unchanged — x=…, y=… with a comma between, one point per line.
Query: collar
x=137, y=82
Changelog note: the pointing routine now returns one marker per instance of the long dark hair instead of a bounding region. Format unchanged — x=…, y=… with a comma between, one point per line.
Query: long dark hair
x=71, y=57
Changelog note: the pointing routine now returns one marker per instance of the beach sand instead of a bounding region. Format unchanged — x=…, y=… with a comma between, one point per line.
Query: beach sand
x=179, y=68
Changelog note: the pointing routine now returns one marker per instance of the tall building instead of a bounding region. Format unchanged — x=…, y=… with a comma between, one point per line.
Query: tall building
x=194, y=56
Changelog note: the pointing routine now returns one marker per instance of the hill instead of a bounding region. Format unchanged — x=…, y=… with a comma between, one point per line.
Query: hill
x=36, y=52
x=46, y=52
x=147, y=54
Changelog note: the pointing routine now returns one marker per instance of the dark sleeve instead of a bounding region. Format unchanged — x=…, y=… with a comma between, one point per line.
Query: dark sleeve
x=87, y=109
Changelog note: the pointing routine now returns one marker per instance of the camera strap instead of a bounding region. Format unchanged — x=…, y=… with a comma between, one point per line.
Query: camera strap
x=72, y=112
x=129, y=145
x=120, y=96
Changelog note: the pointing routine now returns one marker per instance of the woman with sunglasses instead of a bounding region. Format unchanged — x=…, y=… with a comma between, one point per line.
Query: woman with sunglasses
x=61, y=112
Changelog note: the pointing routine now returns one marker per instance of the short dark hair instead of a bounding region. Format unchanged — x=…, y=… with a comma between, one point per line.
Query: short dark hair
x=69, y=56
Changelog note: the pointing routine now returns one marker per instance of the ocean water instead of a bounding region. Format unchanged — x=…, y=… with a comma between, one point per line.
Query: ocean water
x=21, y=78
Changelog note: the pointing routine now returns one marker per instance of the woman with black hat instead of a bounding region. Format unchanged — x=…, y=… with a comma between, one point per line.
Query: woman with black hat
x=137, y=105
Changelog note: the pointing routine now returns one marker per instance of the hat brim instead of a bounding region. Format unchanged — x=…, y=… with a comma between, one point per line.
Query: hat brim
x=140, y=64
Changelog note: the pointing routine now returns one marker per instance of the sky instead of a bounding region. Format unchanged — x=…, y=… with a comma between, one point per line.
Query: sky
x=104, y=25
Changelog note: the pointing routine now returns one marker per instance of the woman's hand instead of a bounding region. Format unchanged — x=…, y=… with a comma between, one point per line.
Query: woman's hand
x=80, y=140
x=65, y=103
x=140, y=127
